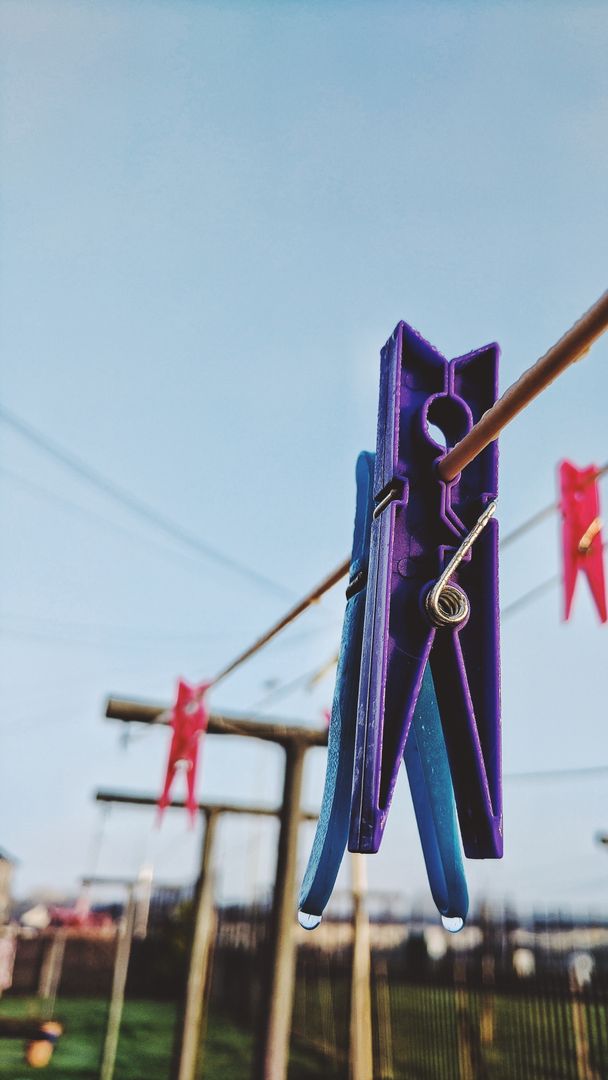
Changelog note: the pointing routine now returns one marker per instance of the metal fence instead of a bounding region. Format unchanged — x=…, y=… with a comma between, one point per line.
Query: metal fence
x=502, y=1001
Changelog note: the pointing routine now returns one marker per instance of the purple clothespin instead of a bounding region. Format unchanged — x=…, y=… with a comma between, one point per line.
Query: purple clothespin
x=432, y=594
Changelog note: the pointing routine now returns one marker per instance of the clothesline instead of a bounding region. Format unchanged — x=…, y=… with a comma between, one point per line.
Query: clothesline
x=571, y=346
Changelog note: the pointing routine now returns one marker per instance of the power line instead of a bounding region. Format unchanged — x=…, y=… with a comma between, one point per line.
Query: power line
x=35, y=489
x=294, y=613
x=135, y=505
x=532, y=594
x=276, y=693
x=583, y=772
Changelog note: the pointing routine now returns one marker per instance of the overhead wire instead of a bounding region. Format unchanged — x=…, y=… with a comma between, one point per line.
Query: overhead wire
x=582, y=771
x=142, y=634
x=528, y=597
x=570, y=347
x=38, y=490
x=133, y=503
x=294, y=613
x=277, y=693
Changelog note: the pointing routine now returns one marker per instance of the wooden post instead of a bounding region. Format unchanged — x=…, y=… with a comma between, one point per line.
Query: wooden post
x=276, y=1023
x=272, y=1051
x=189, y=1046
x=386, y=1068
x=487, y=1015
x=50, y=972
x=584, y=1068
x=466, y=1048
x=361, y=1053
x=119, y=980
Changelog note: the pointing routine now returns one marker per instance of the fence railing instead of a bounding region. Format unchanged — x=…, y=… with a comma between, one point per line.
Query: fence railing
x=506, y=1002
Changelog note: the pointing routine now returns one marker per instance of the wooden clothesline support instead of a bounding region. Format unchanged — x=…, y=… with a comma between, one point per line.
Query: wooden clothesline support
x=272, y=1050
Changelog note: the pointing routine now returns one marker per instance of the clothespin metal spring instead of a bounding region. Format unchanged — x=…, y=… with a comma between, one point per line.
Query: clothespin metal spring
x=448, y=605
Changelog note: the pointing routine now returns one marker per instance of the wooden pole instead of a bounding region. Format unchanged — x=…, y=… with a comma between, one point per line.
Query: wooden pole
x=274, y=1035
x=466, y=1062
x=189, y=1046
x=50, y=972
x=272, y=1050
x=361, y=1053
x=119, y=980
x=584, y=1068
x=125, y=798
x=138, y=712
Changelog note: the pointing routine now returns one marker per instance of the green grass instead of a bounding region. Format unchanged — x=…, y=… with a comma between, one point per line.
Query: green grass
x=416, y=1035
x=144, y=1052
x=145, y=1047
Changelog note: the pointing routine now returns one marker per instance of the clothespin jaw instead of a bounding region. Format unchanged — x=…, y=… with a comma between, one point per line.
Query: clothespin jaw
x=189, y=719
x=582, y=544
x=428, y=773
x=419, y=523
x=332, y=827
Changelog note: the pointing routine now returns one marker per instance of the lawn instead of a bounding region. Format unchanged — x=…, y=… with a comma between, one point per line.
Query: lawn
x=146, y=1041
x=417, y=1036
x=144, y=1052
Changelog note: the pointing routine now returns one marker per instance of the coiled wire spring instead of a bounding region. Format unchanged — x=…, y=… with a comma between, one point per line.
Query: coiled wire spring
x=447, y=604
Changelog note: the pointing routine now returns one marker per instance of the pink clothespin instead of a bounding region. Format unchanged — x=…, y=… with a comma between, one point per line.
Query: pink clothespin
x=581, y=534
x=189, y=719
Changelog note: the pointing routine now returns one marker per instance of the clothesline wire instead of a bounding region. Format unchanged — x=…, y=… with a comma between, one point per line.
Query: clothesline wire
x=570, y=347
x=341, y=571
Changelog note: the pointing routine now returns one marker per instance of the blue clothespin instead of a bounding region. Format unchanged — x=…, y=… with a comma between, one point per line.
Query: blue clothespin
x=332, y=827
x=425, y=756
x=428, y=773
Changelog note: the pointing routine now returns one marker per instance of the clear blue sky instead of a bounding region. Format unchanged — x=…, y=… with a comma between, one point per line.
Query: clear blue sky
x=212, y=217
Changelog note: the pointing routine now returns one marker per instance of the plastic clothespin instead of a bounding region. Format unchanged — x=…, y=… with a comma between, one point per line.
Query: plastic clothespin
x=332, y=827
x=582, y=545
x=413, y=616
x=425, y=759
x=189, y=719
x=428, y=773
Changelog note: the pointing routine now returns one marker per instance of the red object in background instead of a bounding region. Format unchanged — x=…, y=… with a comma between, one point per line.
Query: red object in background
x=581, y=534
x=189, y=721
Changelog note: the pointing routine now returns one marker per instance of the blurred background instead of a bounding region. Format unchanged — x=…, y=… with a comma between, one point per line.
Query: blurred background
x=213, y=215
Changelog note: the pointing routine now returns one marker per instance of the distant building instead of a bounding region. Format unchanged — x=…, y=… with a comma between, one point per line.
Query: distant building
x=7, y=865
